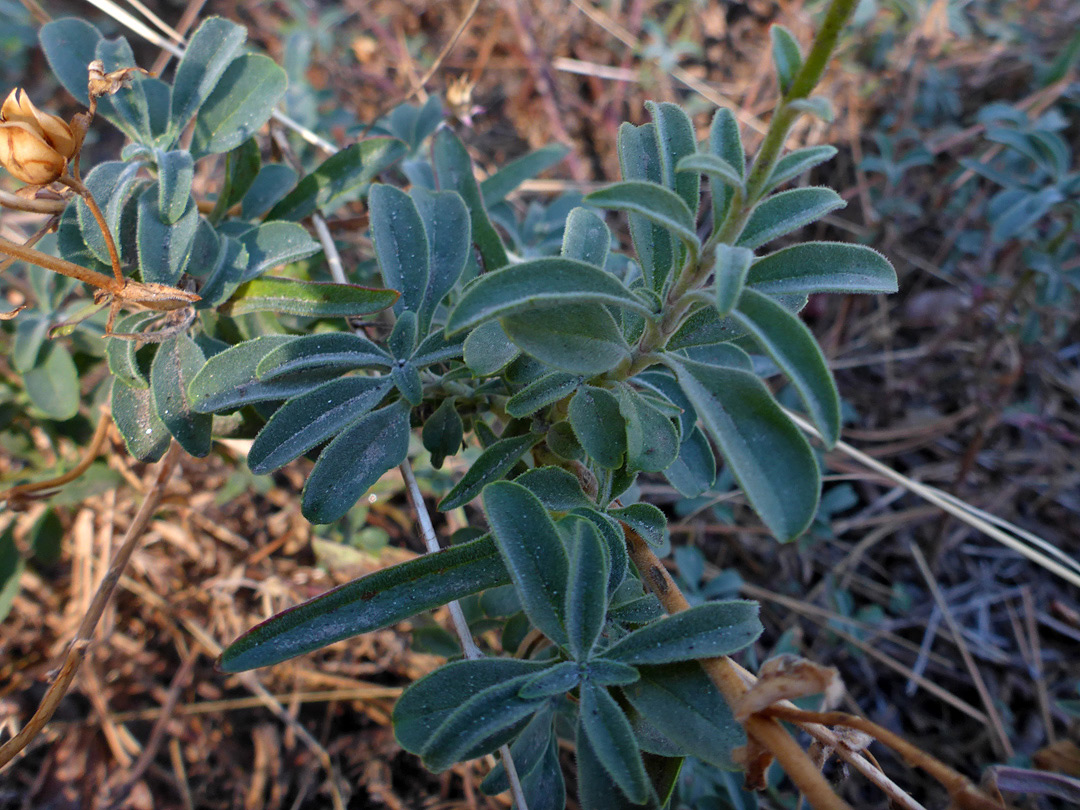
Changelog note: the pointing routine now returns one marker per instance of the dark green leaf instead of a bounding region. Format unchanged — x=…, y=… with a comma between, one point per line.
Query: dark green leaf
x=652, y=442
x=448, y=229
x=555, y=680
x=164, y=248
x=70, y=44
x=532, y=753
x=402, y=340
x=645, y=519
x=401, y=244
x=796, y=162
x=488, y=350
x=562, y=442
x=111, y=183
x=407, y=380
x=241, y=103
x=376, y=600
x=145, y=435
x=176, y=170
x=443, y=432
x=536, y=284
x=726, y=143
x=653, y=202
x=612, y=742
x=491, y=465
x=815, y=267
x=603, y=672
x=704, y=631
x=242, y=166
x=611, y=533
x=559, y=490
x=639, y=159
x=176, y=363
x=791, y=345
x=454, y=171
x=228, y=379
x=788, y=211
x=483, y=722
x=542, y=392
x=586, y=590
x=769, y=457
x=354, y=461
x=576, y=338
x=694, y=471
x=53, y=383
x=714, y=167
x=685, y=706
x=586, y=237
x=495, y=188
x=786, y=56
x=208, y=54
x=273, y=244
x=436, y=349
x=121, y=353
x=676, y=141
x=308, y=420
x=533, y=553
x=309, y=298
x=342, y=351
x=271, y=184
x=732, y=265
x=599, y=426
x=340, y=177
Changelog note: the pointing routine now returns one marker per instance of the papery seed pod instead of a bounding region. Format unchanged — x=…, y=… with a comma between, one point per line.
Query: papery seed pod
x=34, y=146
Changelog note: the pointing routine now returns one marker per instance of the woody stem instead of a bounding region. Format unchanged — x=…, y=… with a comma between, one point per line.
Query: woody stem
x=61, y=266
x=80, y=188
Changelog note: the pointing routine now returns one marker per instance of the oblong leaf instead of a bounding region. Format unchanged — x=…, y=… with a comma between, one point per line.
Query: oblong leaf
x=768, y=455
x=496, y=187
x=485, y=720
x=354, y=461
x=369, y=603
x=732, y=265
x=791, y=345
x=703, y=631
x=586, y=590
x=205, y=59
x=493, y=463
x=291, y=296
x=788, y=211
x=175, y=365
x=586, y=237
x=676, y=141
x=488, y=350
x=241, y=103
x=53, y=383
x=639, y=159
x=535, y=284
x=273, y=244
x=713, y=166
x=652, y=442
x=401, y=244
x=599, y=426
x=145, y=435
x=576, y=338
x=308, y=420
x=342, y=351
x=653, y=202
x=449, y=236
x=726, y=143
x=228, y=379
x=814, y=267
x=796, y=162
x=612, y=741
x=542, y=392
x=454, y=171
x=533, y=552
x=426, y=704
x=164, y=248
x=685, y=706
x=341, y=176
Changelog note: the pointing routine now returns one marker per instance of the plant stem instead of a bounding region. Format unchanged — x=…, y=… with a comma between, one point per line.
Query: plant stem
x=81, y=643
x=461, y=626
x=61, y=266
x=75, y=184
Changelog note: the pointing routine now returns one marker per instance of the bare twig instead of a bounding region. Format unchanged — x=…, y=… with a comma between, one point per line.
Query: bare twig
x=79, y=645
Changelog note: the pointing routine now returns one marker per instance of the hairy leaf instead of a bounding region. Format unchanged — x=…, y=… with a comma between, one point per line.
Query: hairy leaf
x=703, y=631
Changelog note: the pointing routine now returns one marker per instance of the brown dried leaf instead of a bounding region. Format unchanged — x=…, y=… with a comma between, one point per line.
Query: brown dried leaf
x=784, y=678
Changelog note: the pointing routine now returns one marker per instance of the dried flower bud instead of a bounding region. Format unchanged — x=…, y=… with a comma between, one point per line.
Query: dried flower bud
x=34, y=146
x=106, y=84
